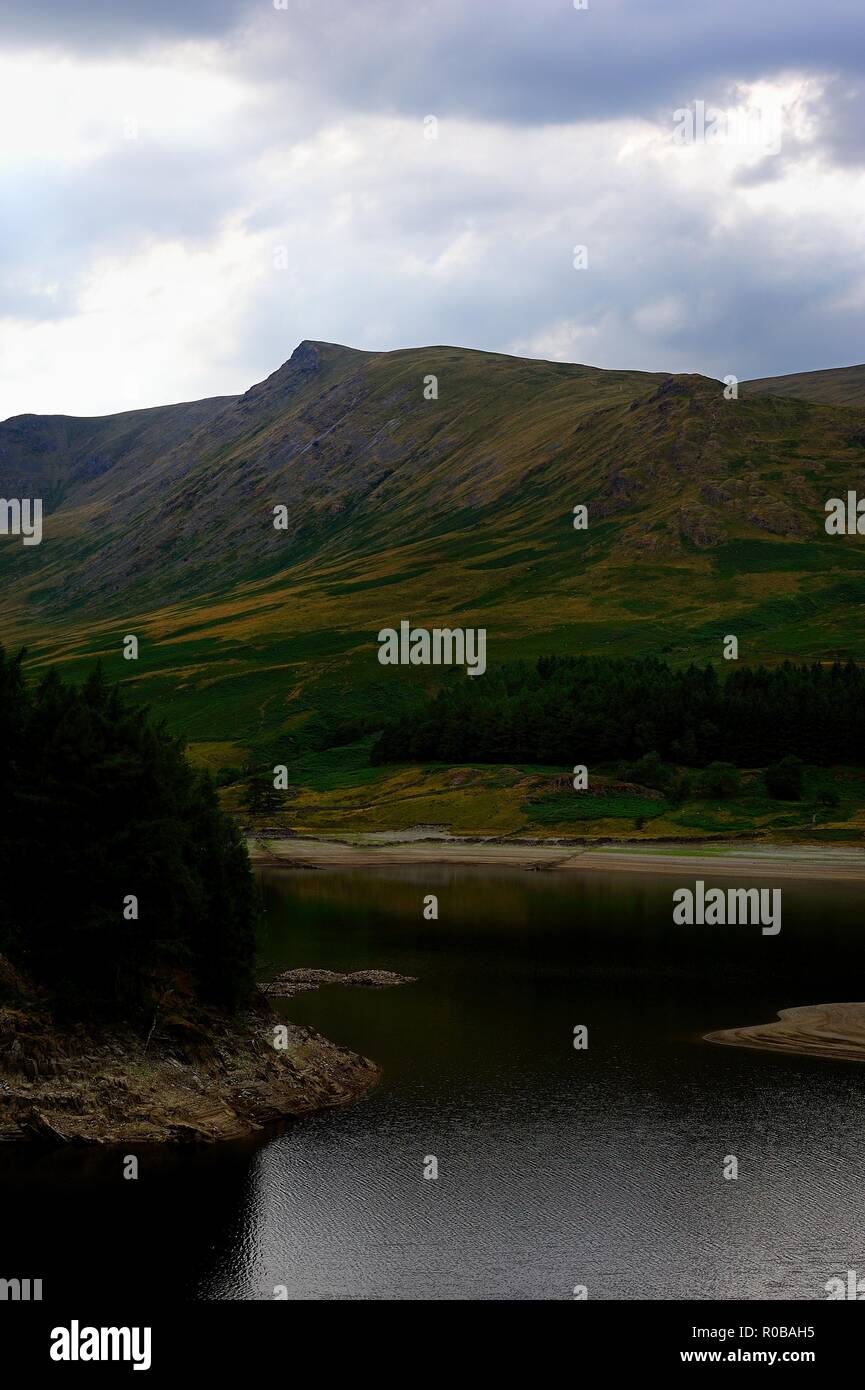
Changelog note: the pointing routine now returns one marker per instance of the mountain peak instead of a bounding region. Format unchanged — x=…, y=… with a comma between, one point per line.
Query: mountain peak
x=313, y=351
x=306, y=354
x=308, y=358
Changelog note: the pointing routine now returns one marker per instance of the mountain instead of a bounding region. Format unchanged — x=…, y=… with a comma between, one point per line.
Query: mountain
x=837, y=386
x=706, y=517
x=59, y=455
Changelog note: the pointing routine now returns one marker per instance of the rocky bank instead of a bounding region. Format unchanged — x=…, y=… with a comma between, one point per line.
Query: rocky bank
x=196, y=1079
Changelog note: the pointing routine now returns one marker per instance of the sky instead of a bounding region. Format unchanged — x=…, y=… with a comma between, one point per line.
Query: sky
x=189, y=190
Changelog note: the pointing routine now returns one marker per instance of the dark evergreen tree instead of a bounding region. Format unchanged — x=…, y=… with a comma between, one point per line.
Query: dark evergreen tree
x=260, y=797
x=785, y=779
x=564, y=710
x=719, y=780
x=101, y=807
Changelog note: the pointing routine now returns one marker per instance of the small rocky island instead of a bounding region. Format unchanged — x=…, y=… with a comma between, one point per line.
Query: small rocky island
x=292, y=982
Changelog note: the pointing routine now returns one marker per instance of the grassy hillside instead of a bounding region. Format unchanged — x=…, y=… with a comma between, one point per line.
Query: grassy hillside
x=837, y=386
x=336, y=791
x=705, y=518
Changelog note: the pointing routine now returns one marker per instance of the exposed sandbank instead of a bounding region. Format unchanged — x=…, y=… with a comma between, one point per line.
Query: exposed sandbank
x=811, y=1030
x=812, y=862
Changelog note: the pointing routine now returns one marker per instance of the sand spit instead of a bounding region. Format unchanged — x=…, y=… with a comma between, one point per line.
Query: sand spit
x=811, y=1030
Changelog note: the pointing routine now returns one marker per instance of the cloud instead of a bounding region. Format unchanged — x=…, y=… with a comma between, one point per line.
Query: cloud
x=501, y=60
x=91, y=26
x=184, y=212
x=507, y=61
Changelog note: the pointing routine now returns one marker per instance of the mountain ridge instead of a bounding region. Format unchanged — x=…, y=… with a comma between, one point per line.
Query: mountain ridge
x=843, y=386
x=705, y=517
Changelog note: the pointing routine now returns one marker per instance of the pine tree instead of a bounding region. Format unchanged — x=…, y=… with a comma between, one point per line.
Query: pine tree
x=118, y=865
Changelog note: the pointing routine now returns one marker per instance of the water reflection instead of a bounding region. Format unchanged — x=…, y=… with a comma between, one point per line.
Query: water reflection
x=556, y=1167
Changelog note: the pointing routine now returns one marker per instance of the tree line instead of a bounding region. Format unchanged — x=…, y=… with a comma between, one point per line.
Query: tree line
x=560, y=711
x=119, y=874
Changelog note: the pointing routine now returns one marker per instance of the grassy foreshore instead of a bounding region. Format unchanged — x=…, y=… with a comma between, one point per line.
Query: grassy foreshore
x=341, y=792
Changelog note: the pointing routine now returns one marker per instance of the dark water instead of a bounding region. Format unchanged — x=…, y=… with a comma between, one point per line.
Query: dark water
x=556, y=1167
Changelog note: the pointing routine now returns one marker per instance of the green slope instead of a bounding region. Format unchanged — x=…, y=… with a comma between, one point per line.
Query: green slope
x=837, y=386
x=706, y=518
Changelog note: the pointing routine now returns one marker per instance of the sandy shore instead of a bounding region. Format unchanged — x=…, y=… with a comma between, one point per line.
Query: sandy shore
x=812, y=862
x=813, y=1030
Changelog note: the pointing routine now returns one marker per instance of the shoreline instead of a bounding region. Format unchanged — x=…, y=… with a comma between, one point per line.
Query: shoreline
x=203, y=1081
x=809, y=1030
x=808, y=861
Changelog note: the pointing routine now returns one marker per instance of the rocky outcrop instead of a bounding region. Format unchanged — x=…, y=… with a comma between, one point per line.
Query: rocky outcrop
x=193, y=1080
x=775, y=516
x=701, y=527
x=745, y=499
x=555, y=785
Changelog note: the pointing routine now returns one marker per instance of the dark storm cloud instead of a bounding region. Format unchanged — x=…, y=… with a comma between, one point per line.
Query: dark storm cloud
x=507, y=60
x=501, y=60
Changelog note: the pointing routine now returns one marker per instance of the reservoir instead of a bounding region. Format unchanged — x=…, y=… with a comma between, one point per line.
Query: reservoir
x=601, y=1167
